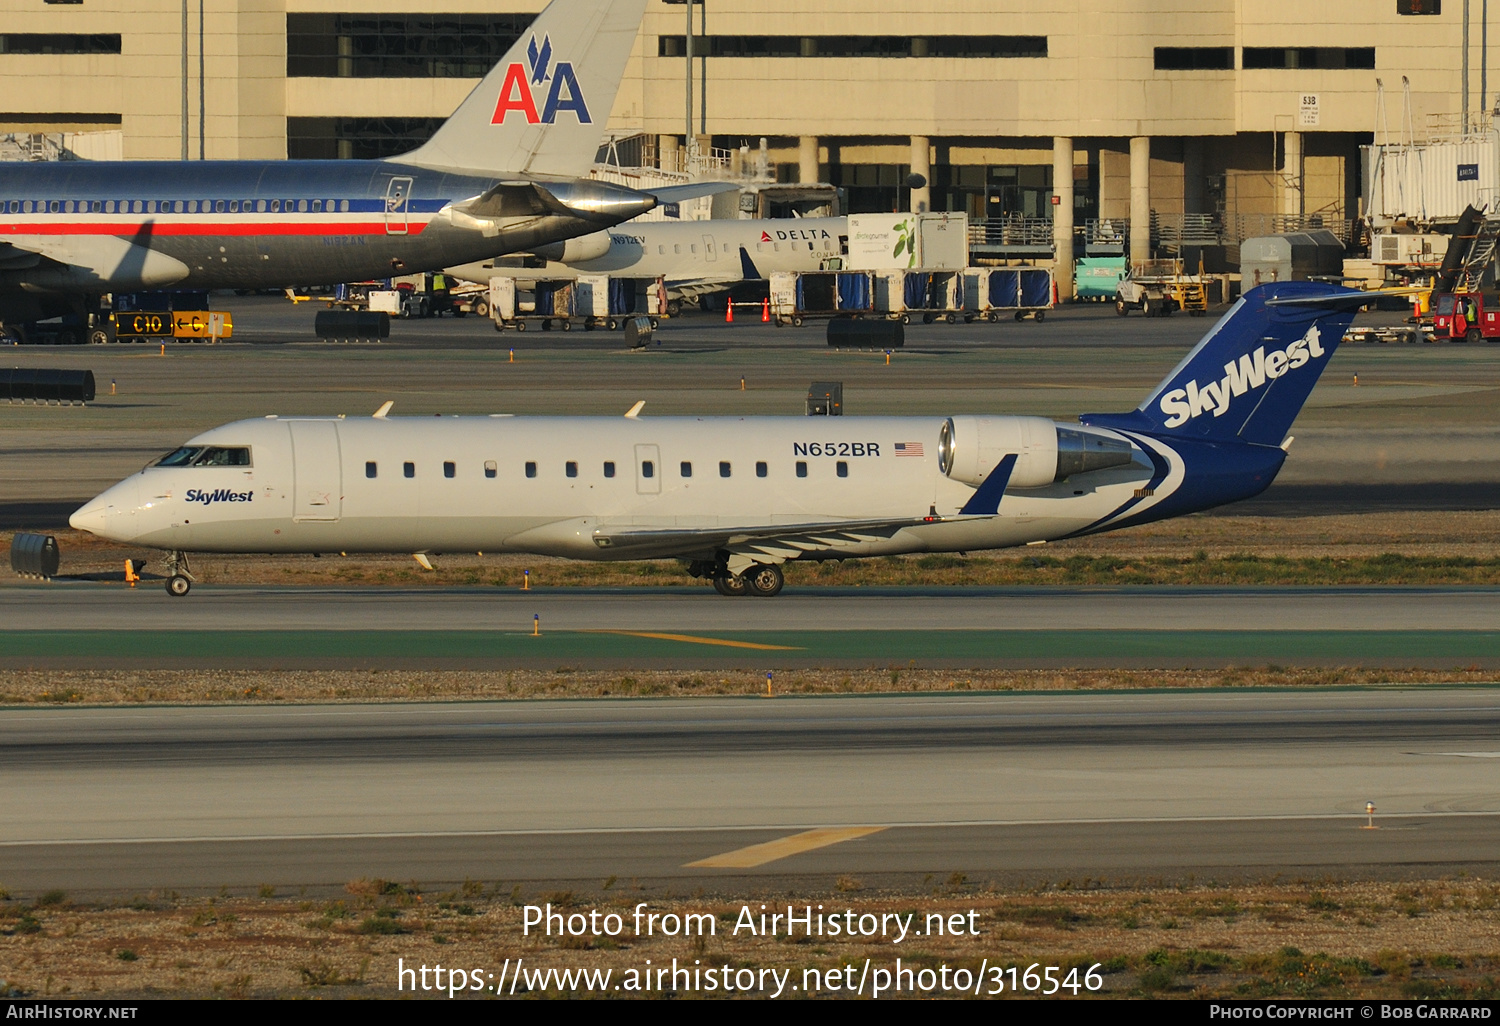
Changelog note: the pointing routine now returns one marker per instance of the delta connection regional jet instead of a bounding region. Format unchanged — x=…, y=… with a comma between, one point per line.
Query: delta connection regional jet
x=503, y=173
x=736, y=497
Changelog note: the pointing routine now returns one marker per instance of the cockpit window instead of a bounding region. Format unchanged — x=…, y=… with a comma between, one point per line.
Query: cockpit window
x=207, y=456
x=181, y=458
x=223, y=456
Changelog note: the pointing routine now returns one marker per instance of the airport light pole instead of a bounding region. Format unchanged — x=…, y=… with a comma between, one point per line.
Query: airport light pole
x=688, y=139
x=184, y=79
x=202, y=89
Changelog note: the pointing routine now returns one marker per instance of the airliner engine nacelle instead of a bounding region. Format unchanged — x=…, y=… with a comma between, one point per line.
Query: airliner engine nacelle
x=1046, y=452
x=576, y=250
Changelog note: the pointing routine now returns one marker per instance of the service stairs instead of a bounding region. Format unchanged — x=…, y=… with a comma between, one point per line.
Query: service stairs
x=1480, y=257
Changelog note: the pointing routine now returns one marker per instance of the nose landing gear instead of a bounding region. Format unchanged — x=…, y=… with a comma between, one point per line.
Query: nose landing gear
x=179, y=577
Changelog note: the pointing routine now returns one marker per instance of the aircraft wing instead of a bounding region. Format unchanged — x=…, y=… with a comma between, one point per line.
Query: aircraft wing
x=693, y=190
x=18, y=258
x=702, y=284
x=748, y=545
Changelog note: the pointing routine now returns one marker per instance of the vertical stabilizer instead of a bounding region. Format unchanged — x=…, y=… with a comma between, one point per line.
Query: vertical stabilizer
x=542, y=109
x=1247, y=379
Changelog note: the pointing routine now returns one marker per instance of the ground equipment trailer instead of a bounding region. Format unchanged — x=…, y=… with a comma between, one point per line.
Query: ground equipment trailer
x=1465, y=317
x=1158, y=288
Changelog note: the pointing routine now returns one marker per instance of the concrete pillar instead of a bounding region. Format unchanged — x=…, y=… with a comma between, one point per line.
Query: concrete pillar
x=808, y=169
x=1291, y=175
x=1194, y=177
x=668, y=153
x=1062, y=216
x=921, y=164
x=1140, y=199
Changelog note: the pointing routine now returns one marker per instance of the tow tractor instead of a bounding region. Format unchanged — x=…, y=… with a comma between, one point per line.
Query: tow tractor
x=1463, y=317
x=1158, y=287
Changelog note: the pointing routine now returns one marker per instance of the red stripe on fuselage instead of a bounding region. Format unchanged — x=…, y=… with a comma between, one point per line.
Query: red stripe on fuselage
x=155, y=228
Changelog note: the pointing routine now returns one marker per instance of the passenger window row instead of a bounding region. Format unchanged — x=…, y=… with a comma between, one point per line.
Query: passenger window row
x=570, y=468
x=208, y=206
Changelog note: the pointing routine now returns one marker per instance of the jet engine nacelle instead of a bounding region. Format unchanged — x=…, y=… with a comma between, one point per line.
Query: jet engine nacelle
x=576, y=250
x=1046, y=452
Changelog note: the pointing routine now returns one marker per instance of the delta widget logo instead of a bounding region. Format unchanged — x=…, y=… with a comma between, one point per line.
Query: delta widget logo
x=522, y=86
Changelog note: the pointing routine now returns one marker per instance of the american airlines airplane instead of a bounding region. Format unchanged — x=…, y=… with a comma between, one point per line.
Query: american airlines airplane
x=695, y=257
x=737, y=497
x=502, y=174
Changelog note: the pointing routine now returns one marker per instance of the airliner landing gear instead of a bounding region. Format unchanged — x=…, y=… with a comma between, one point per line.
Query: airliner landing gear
x=728, y=584
x=764, y=580
x=179, y=576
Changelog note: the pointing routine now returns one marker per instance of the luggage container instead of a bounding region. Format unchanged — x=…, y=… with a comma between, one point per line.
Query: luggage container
x=1096, y=279
x=892, y=242
x=1016, y=291
x=797, y=296
x=594, y=301
x=936, y=295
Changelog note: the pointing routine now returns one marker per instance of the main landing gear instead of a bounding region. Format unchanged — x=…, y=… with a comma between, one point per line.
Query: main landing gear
x=763, y=579
x=179, y=577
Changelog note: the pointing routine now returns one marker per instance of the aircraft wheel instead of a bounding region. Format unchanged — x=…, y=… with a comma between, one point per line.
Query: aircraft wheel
x=727, y=584
x=1121, y=307
x=520, y=325
x=764, y=580
x=178, y=585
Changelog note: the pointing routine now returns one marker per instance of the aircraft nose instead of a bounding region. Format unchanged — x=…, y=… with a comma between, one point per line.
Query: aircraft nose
x=111, y=514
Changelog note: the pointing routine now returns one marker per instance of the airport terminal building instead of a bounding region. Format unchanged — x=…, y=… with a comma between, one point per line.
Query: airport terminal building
x=1048, y=114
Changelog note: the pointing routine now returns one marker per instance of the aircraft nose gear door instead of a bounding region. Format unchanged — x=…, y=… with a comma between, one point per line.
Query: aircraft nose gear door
x=648, y=470
x=316, y=472
x=397, y=200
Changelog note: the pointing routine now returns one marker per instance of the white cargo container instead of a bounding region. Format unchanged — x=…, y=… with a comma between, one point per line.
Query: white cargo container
x=591, y=297
x=1431, y=182
x=385, y=301
x=894, y=242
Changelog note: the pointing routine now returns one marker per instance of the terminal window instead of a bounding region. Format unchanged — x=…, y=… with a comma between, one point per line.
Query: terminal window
x=59, y=42
x=854, y=46
x=1419, y=6
x=356, y=138
x=1195, y=58
x=1321, y=57
x=322, y=45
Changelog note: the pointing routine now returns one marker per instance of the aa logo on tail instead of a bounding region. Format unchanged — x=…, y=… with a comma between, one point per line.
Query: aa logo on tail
x=522, y=85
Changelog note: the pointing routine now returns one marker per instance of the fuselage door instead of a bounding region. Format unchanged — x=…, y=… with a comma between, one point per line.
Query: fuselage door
x=648, y=469
x=317, y=474
x=710, y=254
x=397, y=200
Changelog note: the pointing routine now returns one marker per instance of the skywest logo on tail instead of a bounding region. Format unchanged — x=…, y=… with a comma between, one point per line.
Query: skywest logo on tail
x=516, y=93
x=1251, y=372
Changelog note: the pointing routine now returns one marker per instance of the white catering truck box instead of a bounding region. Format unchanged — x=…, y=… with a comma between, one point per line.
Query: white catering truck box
x=892, y=242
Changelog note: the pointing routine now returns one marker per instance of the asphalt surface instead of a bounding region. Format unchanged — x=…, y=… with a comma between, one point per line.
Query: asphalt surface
x=1219, y=785
x=97, y=607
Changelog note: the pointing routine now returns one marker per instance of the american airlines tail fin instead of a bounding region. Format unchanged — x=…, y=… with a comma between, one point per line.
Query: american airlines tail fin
x=541, y=110
x=1248, y=378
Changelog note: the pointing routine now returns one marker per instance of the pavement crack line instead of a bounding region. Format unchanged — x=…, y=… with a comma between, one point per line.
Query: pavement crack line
x=693, y=639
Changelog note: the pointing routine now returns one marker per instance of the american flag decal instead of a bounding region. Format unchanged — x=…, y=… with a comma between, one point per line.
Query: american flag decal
x=909, y=449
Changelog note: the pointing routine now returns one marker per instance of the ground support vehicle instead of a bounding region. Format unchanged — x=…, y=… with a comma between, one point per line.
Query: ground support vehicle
x=797, y=296
x=1158, y=288
x=590, y=301
x=1465, y=317
x=1019, y=292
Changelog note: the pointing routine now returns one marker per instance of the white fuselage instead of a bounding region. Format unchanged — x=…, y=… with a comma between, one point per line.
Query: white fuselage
x=693, y=256
x=599, y=488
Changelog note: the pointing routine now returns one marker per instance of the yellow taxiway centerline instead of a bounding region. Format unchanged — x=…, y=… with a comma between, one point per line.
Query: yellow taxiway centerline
x=782, y=847
x=700, y=641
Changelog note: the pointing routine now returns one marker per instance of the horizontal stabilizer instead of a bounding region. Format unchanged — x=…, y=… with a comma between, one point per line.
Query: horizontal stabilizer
x=693, y=190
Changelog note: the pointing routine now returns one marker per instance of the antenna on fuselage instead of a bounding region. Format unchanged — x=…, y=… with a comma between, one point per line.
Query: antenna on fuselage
x=385, y=408
x=635, y=411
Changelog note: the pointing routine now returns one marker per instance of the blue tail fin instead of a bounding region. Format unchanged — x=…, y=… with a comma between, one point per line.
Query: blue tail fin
x=1247, y=379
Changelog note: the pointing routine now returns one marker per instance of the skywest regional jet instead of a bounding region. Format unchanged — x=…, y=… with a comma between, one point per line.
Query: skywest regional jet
x=737, y=497
x=502, y=174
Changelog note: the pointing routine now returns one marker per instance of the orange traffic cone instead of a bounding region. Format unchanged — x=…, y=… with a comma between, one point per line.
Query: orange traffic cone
x=765, y=310
x=729, y=311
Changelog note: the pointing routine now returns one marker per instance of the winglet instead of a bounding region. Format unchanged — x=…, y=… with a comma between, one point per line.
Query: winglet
x=635, y=411
x=986, y=498
x=385, y=408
